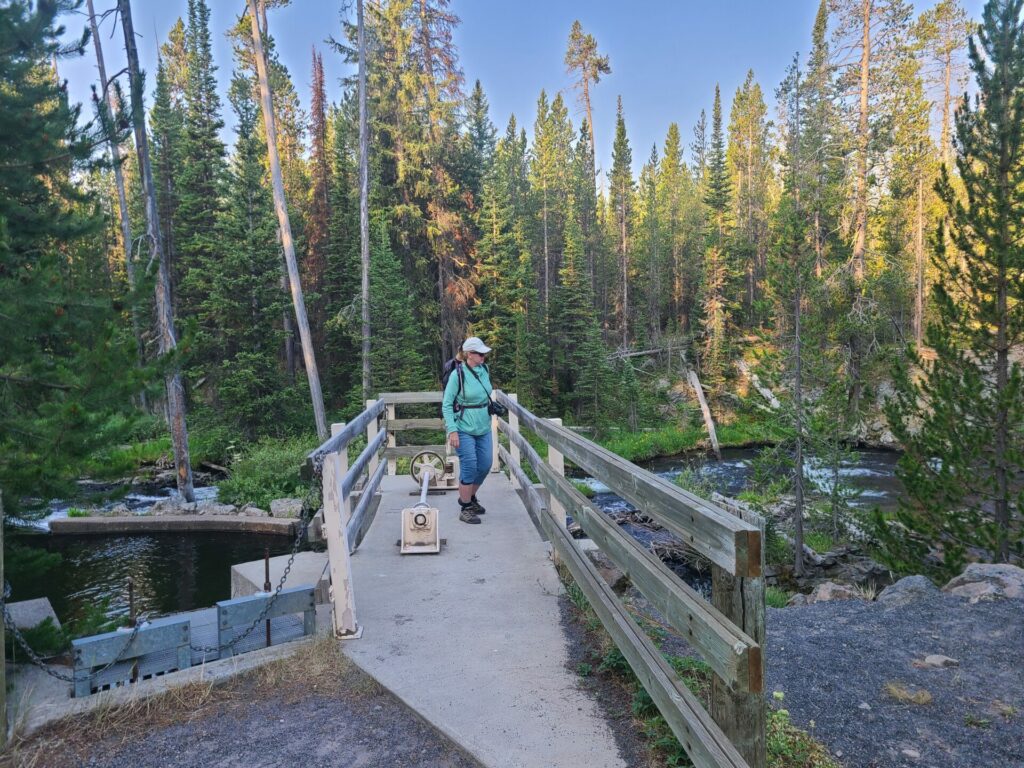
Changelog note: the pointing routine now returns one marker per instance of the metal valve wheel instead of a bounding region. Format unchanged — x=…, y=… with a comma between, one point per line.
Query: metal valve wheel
x=427, y=461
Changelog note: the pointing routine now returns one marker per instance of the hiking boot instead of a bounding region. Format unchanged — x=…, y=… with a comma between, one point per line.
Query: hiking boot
x=475, y=506
x=467, y=515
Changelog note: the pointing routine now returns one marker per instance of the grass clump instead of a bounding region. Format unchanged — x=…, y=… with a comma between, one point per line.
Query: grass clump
x=790, y=747
x=907, y=695
x=776, y=598
x=269, y=471
x=818, y=541
x=77, y=512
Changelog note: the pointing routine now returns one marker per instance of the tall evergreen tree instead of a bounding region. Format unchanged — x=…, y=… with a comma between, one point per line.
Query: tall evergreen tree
x=750, y=170
x=962, y=422
x=67, y=371
x=582, y=59
x=319, y=206
x=199, y=175
x=622, y=188
x=716, y=300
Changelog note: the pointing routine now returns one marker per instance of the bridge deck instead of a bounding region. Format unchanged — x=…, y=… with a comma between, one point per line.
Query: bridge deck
x=471, y=638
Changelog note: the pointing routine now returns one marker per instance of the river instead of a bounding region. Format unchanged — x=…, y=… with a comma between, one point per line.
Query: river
x=173, y=572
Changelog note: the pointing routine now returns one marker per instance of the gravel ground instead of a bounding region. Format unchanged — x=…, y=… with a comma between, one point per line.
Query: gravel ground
x=252, y=724
x=833, y=661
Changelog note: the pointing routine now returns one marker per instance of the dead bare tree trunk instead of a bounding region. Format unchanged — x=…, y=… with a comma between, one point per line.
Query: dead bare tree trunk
x=164, y=310
x=364, y=200
x=919, y=268
x=106, y=103
x=308, y=354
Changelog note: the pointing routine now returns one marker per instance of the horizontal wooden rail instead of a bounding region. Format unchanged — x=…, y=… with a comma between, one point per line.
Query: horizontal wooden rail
x=395, y=398
x=733, y=655
x=372, y=448
x=360, y=521
x=400, y=425
x=408, y=451
x=700, y=736
x=727, y=541
x=341, y=440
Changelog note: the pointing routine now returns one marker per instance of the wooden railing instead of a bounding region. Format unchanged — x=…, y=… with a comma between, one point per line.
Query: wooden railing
x=728, y=633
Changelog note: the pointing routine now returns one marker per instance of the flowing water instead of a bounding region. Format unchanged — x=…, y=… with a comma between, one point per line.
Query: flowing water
x=176, y=572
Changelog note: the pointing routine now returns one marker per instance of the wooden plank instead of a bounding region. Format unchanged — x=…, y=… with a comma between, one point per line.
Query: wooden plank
x=245, y=610
x=732, y=654
x=393, y=398
x=725, y=540
x=371, y=432
x=408, y=451
x=361, y=518
x=702, y=739
x=161, y=635
x=335, y=532
x=513, y=448
x=741, y=714
x=352, y=430
x=359, y=465
x=400, y=425
x=709, y=422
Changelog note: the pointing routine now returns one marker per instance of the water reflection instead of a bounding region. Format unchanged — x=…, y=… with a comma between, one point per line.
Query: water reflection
x=171, y=572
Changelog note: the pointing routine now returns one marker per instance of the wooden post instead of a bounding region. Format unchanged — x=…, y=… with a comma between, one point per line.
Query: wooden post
x=557, y=462
x=3, y=640
x=741, y=716
x=392, y=463
x=342, y=595
x=513, y=449
x=495, y=464
x=371, y=432
x=708, y=420
x=346, y=502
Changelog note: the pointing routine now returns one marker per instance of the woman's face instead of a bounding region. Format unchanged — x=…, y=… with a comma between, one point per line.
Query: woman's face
x=475, y=358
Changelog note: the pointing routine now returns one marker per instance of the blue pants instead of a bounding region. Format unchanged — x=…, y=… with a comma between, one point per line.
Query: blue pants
x=474, y=458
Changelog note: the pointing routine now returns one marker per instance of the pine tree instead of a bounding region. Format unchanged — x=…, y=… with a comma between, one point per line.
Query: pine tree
x=680, y=218
x=319, y=206
x=481, y=137
x=200, y=174
x=397, y=359
x=962, y=421
x=581, y=360
x=239, y=314
x=67, y=370
x=648, y=231
x=622, y=188
x=582, y=58
x=750, y=170
x=718, y=272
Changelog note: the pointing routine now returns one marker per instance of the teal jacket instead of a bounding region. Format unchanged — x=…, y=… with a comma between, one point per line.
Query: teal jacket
x=472, y=421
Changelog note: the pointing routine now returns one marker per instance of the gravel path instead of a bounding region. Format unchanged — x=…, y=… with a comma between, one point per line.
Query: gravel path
x=833, y=661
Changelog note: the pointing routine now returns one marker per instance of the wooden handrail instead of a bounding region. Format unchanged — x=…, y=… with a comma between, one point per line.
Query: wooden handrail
x=733, y=655
x=700, y=736
x=727, y=541
x=341, y=440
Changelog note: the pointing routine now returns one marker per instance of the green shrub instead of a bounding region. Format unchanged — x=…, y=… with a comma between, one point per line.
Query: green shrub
x=269, y=471
x=585, y=489
x=776, y=598
x=45, y=638
x=819, y=542
x=76, y=512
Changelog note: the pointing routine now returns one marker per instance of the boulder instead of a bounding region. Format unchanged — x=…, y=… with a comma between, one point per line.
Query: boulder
x=829, y=590
x=166, y=507
x=286, y=508
x=798, y=599
x=938, y=661
x=609, y=571
x=118, y=510
x=28, y=614
x=988, y=581
x=907, y=590
x=215, y=508
x=251, y=510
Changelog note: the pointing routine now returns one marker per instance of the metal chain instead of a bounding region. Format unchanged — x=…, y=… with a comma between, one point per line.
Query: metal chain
x=36, y=659
x=304, y=521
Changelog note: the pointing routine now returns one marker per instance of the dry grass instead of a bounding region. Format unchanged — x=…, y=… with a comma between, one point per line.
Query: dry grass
x=318, y=667
x=906, y=695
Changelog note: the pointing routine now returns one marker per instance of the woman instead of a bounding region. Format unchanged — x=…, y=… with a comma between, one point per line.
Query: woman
x=468, y=423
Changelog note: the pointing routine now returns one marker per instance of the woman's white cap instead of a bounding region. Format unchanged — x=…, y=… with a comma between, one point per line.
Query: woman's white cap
x=473, y=344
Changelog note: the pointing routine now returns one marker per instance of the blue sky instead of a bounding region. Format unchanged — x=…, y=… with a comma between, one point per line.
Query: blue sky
x=666, y=56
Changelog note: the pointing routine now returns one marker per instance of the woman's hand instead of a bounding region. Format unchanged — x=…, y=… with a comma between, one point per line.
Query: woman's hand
x=453, y=439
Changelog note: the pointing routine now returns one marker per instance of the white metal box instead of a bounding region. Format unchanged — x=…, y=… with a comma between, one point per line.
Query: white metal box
x=419, y=530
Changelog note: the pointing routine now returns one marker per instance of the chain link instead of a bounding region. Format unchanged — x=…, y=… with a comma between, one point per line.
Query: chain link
x=304, y=520
x=49, y=669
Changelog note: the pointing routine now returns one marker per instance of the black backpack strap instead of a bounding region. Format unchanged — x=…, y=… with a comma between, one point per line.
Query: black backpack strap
x=478, y=378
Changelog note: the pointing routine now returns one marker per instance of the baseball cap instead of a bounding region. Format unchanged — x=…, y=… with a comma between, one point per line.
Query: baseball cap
x=473, y=344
